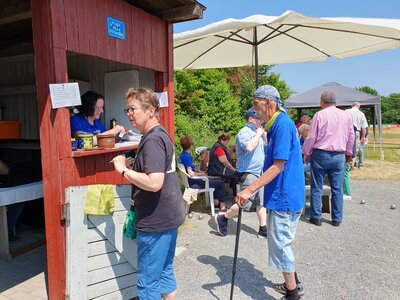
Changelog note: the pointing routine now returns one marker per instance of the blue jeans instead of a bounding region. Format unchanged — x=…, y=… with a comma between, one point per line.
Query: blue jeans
x=361, y=155
x=282, y=227
x=355, y=142
x=156, y=252
x=332, y=164
x=307, y=167
x=217, y=184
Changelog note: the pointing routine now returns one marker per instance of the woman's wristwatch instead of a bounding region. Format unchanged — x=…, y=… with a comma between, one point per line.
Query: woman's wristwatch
x=124, y=171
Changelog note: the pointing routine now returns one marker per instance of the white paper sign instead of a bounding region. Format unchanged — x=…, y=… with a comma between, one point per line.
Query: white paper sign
x=163, y=99
x=65, y=94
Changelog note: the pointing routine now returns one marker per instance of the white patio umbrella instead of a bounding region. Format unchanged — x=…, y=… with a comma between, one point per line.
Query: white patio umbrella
x=289, y=38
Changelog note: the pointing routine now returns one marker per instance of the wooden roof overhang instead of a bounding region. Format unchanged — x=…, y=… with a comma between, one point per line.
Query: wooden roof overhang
x=16, y=20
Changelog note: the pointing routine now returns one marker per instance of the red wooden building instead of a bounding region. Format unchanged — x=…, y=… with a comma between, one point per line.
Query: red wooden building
x=58, y=41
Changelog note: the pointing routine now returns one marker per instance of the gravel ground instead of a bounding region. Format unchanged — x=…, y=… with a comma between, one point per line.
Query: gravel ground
x=358, y=260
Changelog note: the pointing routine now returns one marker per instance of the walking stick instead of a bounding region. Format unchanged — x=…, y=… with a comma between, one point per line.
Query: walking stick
x=239, y=220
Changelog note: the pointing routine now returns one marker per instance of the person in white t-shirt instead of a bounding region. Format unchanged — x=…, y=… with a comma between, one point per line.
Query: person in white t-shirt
x=360, y=125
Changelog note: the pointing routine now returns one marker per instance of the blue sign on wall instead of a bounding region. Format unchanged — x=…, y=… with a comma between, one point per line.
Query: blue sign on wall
x=116, y=28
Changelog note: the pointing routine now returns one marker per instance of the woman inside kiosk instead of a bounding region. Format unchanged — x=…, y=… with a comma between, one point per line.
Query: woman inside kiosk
x=88, y=118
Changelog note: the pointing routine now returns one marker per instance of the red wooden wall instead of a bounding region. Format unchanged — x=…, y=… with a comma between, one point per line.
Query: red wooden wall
x=80, y=26
x=86, y=33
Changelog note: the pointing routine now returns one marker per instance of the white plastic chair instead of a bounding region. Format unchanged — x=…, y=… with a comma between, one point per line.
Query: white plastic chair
x=209, y=192
x=200, y=150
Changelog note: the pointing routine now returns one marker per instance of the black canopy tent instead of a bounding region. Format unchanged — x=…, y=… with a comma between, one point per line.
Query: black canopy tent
x=345, y=97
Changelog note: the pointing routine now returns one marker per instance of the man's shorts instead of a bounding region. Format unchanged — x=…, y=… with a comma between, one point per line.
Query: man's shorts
x=256, y=199
x=156, y=253
x=281, y=232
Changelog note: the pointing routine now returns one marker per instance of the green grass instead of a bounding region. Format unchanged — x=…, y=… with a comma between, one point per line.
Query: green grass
x=391, y=153
x=390, y=135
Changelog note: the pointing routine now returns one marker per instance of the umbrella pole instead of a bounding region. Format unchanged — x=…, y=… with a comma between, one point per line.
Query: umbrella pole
x=239, y=220
x=255, y=45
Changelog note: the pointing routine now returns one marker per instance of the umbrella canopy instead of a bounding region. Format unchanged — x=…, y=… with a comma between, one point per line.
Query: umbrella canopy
x=289, y=38
x=345, y=97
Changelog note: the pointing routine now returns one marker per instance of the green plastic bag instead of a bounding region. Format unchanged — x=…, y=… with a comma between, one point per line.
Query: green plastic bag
x=130, y=225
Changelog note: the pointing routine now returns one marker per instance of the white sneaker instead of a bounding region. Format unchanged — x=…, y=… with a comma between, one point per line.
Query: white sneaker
x=346, y=197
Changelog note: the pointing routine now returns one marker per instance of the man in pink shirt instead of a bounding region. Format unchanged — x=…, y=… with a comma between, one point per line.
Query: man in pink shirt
x=328, y=147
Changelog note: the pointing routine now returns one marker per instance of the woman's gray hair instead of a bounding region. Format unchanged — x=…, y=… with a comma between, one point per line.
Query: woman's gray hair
x=146, y=98
x=303, y=127
x=328, y=97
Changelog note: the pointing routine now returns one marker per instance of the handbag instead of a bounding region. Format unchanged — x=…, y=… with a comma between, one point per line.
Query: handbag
x=129, y=229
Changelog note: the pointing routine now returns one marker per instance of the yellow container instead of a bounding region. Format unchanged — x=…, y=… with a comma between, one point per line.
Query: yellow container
x=86, y=141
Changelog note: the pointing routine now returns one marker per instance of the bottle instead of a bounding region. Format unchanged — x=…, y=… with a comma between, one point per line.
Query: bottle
x=113, y=122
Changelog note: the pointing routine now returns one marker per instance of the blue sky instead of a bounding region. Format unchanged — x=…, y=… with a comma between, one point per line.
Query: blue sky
x=380, y=70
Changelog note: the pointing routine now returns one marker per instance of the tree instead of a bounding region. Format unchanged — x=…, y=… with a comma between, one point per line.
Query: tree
x=243, y=83
x=371, y=91
x=390, y=105
x=391, y=109
x=210, y=101
x=205, y=105
x=368, y=90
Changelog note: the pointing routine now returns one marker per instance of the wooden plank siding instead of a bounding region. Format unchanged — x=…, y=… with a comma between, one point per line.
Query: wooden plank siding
x=164, y=81
x=86, y=33
x=95, y=169
x=100, y=261
x=51, y=68
x=75, y=26
x=18, y=94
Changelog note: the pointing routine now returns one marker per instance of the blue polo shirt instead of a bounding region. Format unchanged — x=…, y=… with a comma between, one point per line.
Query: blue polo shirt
x=79, y=123
x=249, y=162
x=286, y=191
x=187, y=160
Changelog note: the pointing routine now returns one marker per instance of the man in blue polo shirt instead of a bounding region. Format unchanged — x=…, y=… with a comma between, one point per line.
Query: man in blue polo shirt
x=283, y=182
x=249, y=165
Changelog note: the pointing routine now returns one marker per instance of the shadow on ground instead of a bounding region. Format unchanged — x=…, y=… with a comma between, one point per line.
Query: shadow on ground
x=252, y=285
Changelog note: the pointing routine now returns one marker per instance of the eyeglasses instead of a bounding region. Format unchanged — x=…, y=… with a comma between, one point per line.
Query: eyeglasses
x=129, y=110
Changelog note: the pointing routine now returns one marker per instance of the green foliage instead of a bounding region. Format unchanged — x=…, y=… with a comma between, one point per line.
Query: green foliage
x=208, y=102
x=205, y=106
x=390, y=106
x=368, y=112
x=197, y=129
x=243, y=83
x=391, y=109
x=368, y=90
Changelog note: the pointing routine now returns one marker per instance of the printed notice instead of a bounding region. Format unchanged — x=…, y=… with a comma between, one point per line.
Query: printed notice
x=65, y=94
x=163, y=99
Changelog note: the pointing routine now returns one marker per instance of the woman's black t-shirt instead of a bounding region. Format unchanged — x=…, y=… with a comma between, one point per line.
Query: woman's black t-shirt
x=163, y=210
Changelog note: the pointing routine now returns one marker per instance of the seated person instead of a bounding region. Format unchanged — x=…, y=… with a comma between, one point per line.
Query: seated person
x=304, y=119
x=220, y=163
x=303, y=131
x=88, y=118
x=186, y=159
